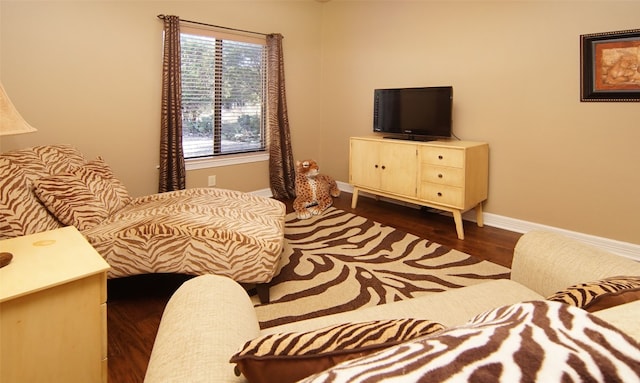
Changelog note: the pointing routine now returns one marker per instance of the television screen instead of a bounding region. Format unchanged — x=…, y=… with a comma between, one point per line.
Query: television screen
x=414, y=111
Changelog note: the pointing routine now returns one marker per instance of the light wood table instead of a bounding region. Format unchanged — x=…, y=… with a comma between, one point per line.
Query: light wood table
x=53, y=313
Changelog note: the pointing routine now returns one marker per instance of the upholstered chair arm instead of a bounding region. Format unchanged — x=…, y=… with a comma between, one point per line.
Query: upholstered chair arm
x=205, y=322
x=547, y=262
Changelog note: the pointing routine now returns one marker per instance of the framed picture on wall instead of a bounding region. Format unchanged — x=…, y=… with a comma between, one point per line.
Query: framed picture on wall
x=610, y=66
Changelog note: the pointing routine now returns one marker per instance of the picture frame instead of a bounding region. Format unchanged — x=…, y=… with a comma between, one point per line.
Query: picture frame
x=610, y=66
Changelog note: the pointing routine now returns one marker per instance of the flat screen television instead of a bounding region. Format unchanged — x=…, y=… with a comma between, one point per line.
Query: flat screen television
x=415, y=113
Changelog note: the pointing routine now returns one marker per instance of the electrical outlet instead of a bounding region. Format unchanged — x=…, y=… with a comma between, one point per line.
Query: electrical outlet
x=212, y=181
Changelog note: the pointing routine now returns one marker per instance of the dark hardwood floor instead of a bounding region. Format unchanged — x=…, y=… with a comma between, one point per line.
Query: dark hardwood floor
x=135, y=304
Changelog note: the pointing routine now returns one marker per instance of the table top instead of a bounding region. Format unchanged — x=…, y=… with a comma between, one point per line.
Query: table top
x=44, y=260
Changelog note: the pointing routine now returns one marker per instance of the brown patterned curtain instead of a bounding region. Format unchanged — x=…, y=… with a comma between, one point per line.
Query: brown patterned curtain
x=281, y=167
x=172, y=170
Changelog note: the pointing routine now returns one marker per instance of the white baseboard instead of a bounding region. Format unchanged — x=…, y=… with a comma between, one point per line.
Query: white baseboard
x=626, y=249
x=263, y=193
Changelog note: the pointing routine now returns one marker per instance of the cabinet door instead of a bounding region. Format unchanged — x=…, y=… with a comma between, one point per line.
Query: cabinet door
x=364, y=164
x=398, y=168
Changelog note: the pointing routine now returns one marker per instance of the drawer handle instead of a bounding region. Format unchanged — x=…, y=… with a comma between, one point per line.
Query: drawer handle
x=439, y=175
x=440, y=157
x=439, y=194
x=383, y=167
x=376, y=166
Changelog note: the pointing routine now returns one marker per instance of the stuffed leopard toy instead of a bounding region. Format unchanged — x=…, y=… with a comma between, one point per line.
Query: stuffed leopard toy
x=313, y=190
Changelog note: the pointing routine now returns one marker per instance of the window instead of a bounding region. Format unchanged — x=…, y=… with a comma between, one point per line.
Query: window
x=223, y=93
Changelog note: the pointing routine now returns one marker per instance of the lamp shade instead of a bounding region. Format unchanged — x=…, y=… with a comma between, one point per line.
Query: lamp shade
x=11, y=122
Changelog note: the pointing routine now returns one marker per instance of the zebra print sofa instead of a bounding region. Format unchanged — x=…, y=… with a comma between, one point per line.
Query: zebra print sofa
x=210, y=318
x=194, y=231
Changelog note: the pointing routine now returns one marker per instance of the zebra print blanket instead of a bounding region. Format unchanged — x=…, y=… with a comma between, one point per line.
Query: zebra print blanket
x=529, y=342
x=339, y=262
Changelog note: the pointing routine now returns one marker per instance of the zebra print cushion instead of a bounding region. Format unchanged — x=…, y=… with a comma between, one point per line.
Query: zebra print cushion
x=102, y=182
x=602, y=294
x=84, y=196
x=21, y=210
x=290, y=357
x=527, y=342
x=67, y=197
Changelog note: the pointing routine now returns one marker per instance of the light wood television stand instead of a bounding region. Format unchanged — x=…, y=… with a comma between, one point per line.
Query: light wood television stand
x=447, y=175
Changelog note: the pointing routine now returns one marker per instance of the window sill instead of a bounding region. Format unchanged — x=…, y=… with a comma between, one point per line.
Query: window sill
x=214, y=162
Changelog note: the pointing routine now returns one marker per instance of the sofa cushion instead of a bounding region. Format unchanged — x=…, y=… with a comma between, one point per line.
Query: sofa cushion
x=19, y=206
x=102, y=182
x=289, y=357
x=538, y=341
x=21, y=211
x=69, y=199
x=601, y=294
x=83, y=196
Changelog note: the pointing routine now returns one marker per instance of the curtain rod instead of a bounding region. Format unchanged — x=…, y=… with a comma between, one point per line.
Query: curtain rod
x=162, y=17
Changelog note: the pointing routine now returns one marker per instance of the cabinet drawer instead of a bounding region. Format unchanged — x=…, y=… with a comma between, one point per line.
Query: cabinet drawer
x=441, y=194
x=442, y=156
x=442, y=175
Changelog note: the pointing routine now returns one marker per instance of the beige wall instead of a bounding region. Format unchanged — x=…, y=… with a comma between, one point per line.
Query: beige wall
x=515, y=70
x=88, y=73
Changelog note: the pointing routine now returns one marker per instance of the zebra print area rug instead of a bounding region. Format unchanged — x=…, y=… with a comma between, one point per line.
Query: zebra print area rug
x=339, y=261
